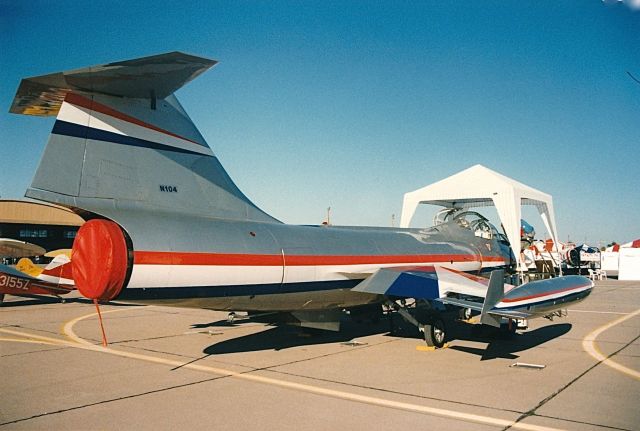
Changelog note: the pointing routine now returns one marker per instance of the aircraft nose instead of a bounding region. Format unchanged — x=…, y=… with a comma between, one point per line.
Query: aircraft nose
x=507, y=254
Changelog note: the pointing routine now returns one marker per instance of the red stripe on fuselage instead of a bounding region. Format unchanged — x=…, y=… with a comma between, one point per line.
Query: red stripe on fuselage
x=173, y=258
x=182, y=258
x=78, y=100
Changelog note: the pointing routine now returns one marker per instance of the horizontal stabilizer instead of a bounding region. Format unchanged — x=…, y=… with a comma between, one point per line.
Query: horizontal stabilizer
x=157, y=76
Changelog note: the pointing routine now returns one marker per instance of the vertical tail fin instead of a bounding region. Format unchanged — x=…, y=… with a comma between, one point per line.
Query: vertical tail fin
x=122, y=139
x=495, y=293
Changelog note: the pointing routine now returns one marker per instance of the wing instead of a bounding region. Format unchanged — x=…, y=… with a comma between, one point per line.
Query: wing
x=493, y=298
x=423, y=282
x=406, y=282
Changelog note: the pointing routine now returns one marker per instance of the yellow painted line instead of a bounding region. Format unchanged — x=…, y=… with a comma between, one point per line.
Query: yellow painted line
x=416, y=408
x=597, y=312
x=37, y=338
x=23, y=340
x=66, y=329
x=589, y=345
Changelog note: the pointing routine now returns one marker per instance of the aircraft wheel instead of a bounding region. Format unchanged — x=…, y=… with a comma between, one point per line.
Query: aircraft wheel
x=1, y=298
x=464, y=314
x=434, y=333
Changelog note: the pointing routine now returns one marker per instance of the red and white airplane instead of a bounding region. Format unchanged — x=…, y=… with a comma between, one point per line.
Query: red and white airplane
x=28, y=279
x=167, y=225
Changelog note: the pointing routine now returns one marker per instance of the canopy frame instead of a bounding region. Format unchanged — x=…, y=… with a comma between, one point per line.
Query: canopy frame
x=479, y=186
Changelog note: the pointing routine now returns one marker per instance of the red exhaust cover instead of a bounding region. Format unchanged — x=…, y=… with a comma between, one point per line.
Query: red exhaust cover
x=99, y=260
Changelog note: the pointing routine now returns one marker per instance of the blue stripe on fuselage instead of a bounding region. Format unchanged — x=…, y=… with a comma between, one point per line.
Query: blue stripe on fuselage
x=77, y=131
x=186, y=292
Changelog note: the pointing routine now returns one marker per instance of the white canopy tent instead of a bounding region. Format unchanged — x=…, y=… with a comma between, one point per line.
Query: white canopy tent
x=478, y=186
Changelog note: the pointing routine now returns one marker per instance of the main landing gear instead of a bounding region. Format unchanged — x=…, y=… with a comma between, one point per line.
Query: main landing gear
x=424, y=317
x=434, y=332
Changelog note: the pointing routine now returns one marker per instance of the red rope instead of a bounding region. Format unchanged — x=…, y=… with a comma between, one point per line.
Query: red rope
x=104, y=337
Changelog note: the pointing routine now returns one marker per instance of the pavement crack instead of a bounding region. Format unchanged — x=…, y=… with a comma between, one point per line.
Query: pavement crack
x=532, y=412
x=584, y=423
x=45, y=350
x=126, y=397
x=270, y=368
x=388, y=391
x=159, y=351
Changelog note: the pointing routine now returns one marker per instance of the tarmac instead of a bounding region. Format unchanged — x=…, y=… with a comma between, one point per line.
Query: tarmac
x=169, y=368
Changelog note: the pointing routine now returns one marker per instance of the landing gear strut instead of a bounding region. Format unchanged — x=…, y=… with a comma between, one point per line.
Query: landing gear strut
x=427, y=320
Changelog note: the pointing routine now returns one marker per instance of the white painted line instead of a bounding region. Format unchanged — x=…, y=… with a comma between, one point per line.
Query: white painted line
x=452, y=414
x=598, y=312
x=38, y=338
x=589, y=345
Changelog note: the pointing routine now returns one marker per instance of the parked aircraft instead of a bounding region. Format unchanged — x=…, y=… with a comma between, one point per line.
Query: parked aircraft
x=13, y=249
x=29, y=279
x=167, y=225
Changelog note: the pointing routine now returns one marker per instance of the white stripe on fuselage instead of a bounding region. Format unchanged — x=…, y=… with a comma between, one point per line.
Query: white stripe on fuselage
x=146, y=275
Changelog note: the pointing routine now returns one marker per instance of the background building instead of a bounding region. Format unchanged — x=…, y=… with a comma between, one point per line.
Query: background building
x=49, y=226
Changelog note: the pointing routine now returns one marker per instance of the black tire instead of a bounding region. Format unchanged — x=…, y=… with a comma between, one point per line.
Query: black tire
x=464, y=313
x=435, y=333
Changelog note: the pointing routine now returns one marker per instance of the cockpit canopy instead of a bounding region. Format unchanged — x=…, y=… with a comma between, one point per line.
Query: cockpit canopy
x=475, y=222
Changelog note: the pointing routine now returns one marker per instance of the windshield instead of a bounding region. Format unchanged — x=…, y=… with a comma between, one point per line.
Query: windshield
x=477, y=223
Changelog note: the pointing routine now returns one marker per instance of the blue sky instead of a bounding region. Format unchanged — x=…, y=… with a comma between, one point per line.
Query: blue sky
x=350, y=104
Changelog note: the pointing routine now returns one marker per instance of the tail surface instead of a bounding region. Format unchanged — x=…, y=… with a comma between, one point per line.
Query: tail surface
x=122, y=140
x=27, y=266
x=57, y=271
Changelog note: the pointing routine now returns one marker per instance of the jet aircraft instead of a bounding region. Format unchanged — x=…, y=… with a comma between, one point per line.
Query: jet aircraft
x=167, y=225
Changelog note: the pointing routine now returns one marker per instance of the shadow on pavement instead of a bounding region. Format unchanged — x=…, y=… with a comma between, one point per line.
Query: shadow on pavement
x=504, y=345
x=499, y=344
